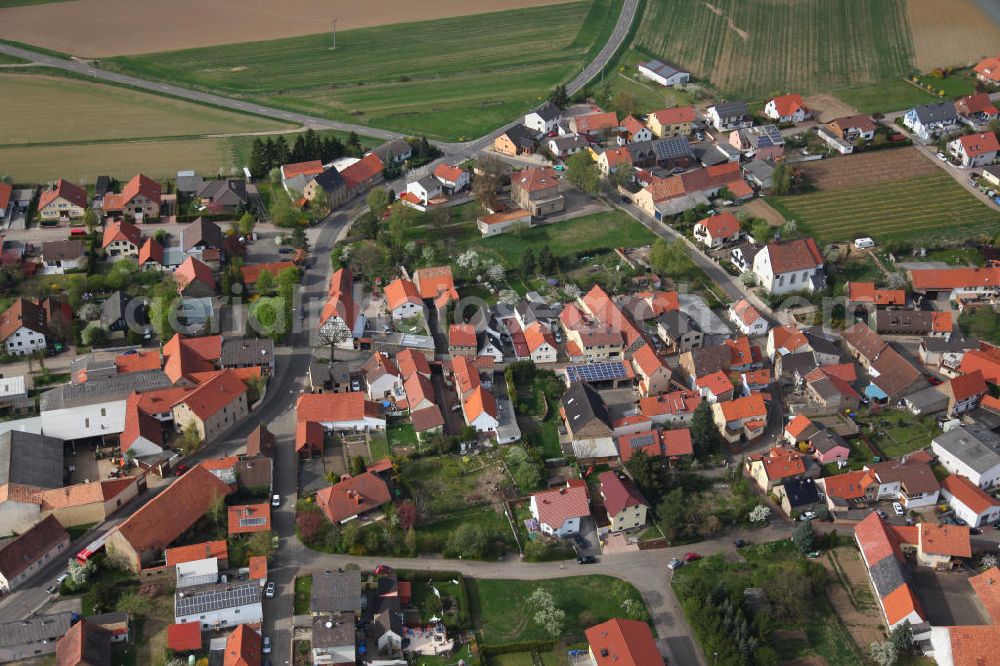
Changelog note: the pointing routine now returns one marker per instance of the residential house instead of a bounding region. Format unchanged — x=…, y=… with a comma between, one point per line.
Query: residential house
x=151, y=255
x=827, y=446
x=140, y=198
x=85, y=644
x=624, y=503
x=29, y=552
x=715, y=387
x=341, y=320
x=620, y=642
x=717, y=230
x=58, y=257
x=958, y=282
x=679, y=331
x=64, y=201
x=479, y=407
x=518, y=140
x=228, y=195
x=613, y=159
x=976, y=109
x=664, y=197
x=599, y=124
x=603, y=309
x=782, y=340
x=336, y=592
x=7, y=205
x=865, y=293
x=220, y=605
x=33, y=637
x=119, y=312
x=843, y=133
x=462, y=340
x=796, y=496
x=252, y=272
x=888, y=571
x=541, y=343
x=329, y=181
x=243, y=647
x=249, y=518
x=295, y=177
x=974, y=150
x=333, y=639
x=847, y=491
x=635, y=130
x=747, y=319
x=559, y=510
x=928, y=121
x=90, y=502
x=544, y=119
x=23, y=328
x=536, y=190
x=972, y=451
x=584, y=413
x=670, y=409
x=436, y=283
x=830, y=388
x=382, y=378
x=676, y=121
x=909, y=481
x=121, y=240
x=778, y=465
x=892, y=376
x=145, y=533
x=761, y=143
x=787, y=109
x=194, y=279
x=741, y=418
x=970, y=503
x=349, y=412
x=361, y=175
x=799, y=429
x=730, y=115
x=921, y=323
x=200, y=235
x=184, y=637
x=783, y=267
x=660, y=72
x=423, y=190
x=565, y=146
x=419, y=393
x=653, y=372
x=395, y=151
x=453, y=179
x=354, y=497
x=214, y=406
x=402, y=299
x=493, y=224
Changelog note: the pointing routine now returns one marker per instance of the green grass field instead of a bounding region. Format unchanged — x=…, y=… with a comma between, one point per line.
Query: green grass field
x=587, y=600
x=11, y=60
x=896, y=95
x=929, y=208
x=756, y=48
x=449, y=79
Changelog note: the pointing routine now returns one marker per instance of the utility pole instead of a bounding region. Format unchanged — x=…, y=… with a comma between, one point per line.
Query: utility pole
x=334, y=47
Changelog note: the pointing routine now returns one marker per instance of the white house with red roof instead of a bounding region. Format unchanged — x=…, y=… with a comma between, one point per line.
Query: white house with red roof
x=121, y=240
x=620, y=642
x=743, y=417
x=970, y=503
x=783, y=340
x=784, y=267
x=787, y=109
x=559, y=510
x=340, y=411
x=747, y=318
x=452, y=178
x=65, y=200
x=624, y=503
x=402, y=299
x=973, y=150
x=341, y=315
x=717, y=230
x=541, y=343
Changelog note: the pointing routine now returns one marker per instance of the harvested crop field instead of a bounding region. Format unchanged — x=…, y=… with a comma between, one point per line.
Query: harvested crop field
x=102, y=28
x=40, y=109
x=885, y=166
x=959, y=36
x=827, y=107
x=448, y=79
x=756, y=48
x=920, y=209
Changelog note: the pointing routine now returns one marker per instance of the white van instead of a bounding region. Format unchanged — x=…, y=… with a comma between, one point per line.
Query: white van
x=863, y=243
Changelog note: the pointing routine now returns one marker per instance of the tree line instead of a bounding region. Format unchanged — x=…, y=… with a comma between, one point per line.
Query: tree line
x=267, y=154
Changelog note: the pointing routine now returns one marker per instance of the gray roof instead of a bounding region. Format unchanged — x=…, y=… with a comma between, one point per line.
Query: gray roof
x=937, y=112
x=953, y=343
x=333, y=631
x=677, y=323
x=928, y=400
x=672, y=148
x=113, y=309
x=824, y=440
x=31, y=460
x=247, y=351
x=992, y=170
x=584, y=404
x=429, y=183
x=521, y=136
x=802, y=362
x=226, y=192
x=336, y=592
x=820, y=343
x=188, y=182
x=394, y=149
x=201, y=232
x=801, y=492
x=215, y=596
x=888, y=574
x=548, y=111
x=569, y=142
x=974, y=445
x=103, y=390
x=531, y=311
x=330, y=180
x=62, y=250
x=732, y=108
x=35, y=629
x=661, y=68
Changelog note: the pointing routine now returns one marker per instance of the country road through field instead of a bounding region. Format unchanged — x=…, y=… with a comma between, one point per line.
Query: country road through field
x=454, y=151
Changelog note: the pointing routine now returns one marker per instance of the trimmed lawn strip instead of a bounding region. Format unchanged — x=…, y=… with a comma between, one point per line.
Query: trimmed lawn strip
x=303, y=594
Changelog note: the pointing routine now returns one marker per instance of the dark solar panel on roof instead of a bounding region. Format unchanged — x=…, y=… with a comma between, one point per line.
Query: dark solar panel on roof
x=641, y=441
x=596, y=372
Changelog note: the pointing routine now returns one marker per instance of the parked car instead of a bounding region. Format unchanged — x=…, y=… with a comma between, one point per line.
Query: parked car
x=882, y=514
x=383, y=569
x=675, y=564
x=52, y=589
x=276, y=500
x=942, y=157
x=355, y=385
x=739, y=543
x=973, y=176
x=267, y=645
x=269, y=591
x=691, y=557
x=898, y=508
x=61, y=577
x=808, y=515
x=284, y=249
x=586, y=559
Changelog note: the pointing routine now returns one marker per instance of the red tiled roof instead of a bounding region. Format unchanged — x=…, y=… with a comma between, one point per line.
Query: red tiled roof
x=193, y=270
x=534, y=179
x=309, y=435
x=900, y=603
x=987, y=589
x=335, y=407
x=676, y=115
x=435, y=281
x=619, y=494
x=798, y=425
x=988, y=68
x=648, y=361
x=427, y=418
x=649, y=442
x=968, y=493
x=600, y=305
x=977, y=103
x=151, y=251
x=184, y=637
x=722, y=225
x=978, y=144
x=781, y=463
x=466, y=375
x=245, y=518
x=122, y=231
x=717, y=383
x=22, y=313
x=352, y=496
x=966, y=386
x=536, y=334
x=82, y=494
x=17, y=555
x=788, y=337
x=85, y=644
x=662, y=301
x=185, y=357
x=558, y=505
x=258, y=567
x=616, y=156
x=310, y=168
x=954, y=278
x=448, y=173
x=794, y=255
x=787, y=105
x=480, y=401
x=362, y=171
x=220, y=390
x=620, y=642
x=410, y=361
x=5, y=191
x=243, y=647
x=251, y=272
x=632, y=125
x=849, y=486
x=595, y=122
x=678, y=402
x=197, y=551
x=174, y=510
x=143, y=360
x=461, y=335
x=141, y=185
x=418, y=389
x=677, y=442
x=746, y=312
x=340, y=299
x=72, y=193
x=985, y=359
x=400, y=292
x=875, y=537
x=139, y=424
x=950, y=540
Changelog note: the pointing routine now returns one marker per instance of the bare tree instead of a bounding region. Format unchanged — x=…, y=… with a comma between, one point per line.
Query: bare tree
x=332, y=336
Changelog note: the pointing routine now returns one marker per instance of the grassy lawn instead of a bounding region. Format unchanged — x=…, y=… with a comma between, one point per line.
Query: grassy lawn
x=78, y=531
x=448, y=607
x=413, y=325
x=981, y=323
x=928, y=208
x=449, y=78
x=465, y=653
x=303, y=594
x=547, y=438
x=586, y=600
x=450, y=484
x=897, y=433
x=956, y=256
x=401, y=434
x=757, y=48
x=898, y=94
x=431, y=537
x=379, y=446
x=9, y=59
